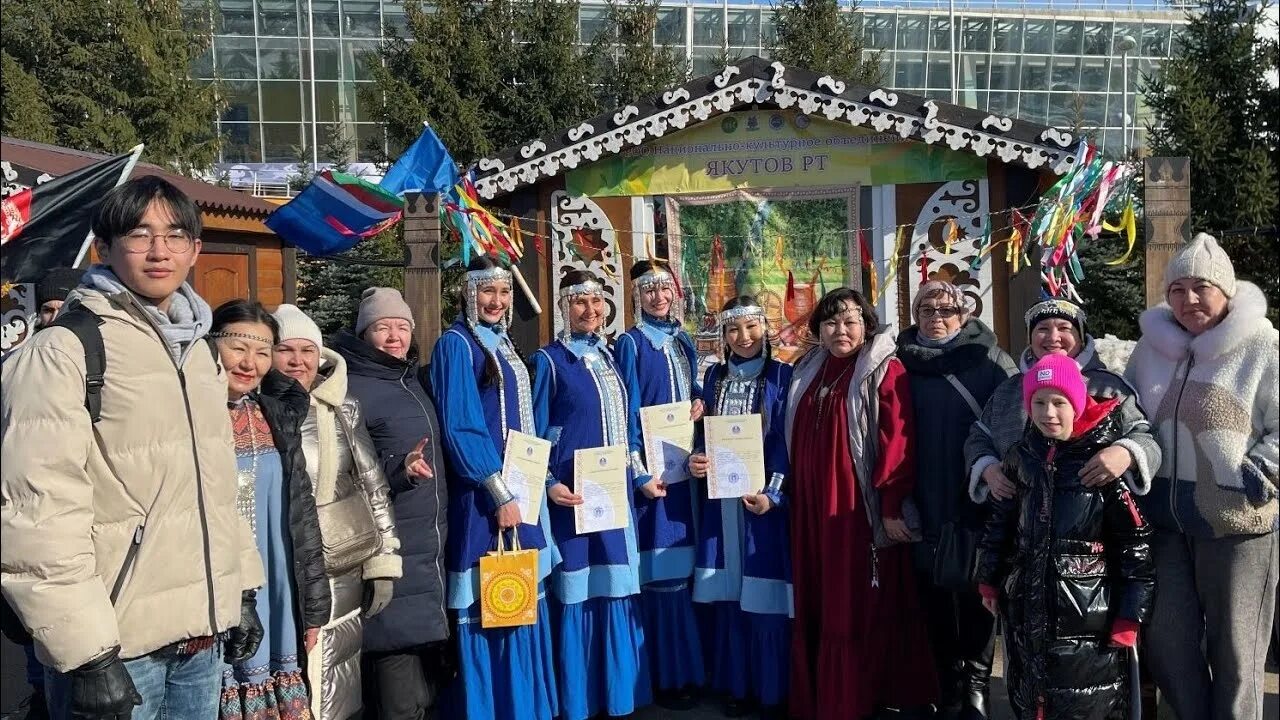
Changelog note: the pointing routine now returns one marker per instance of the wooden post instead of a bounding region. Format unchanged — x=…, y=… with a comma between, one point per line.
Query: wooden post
x=422, y=273
x=1167, y=223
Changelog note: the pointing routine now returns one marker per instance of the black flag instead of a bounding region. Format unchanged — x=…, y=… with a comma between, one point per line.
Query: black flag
x=45, y=226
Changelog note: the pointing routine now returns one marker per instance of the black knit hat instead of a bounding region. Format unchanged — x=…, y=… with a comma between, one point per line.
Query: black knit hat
x=1057, y=308
x=57, y=284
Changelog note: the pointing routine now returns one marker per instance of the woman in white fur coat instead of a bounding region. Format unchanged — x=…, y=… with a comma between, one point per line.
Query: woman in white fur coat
x=1206, y=369
x=343, y=466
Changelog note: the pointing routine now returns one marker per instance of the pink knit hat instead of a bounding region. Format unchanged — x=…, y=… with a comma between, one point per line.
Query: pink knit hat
x=1059, y=372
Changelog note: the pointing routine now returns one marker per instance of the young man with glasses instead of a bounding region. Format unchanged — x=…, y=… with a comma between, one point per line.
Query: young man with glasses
x=123, y=554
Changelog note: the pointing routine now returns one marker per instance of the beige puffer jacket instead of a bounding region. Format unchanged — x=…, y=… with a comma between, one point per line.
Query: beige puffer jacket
x=157, y=470
x=339, y=465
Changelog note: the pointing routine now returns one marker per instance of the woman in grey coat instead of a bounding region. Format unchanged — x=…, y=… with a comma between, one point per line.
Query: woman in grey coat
x=1058, y=327
x=341, y=462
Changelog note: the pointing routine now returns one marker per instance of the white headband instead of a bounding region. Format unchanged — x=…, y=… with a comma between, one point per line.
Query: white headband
x=590, y=287
x=654, y=277
x=477, y=278
x=741, y=311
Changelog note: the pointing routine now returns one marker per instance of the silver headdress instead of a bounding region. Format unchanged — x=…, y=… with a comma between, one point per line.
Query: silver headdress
x=569, y=292
x=737, y=313
x=659, y=278
x=740, y=312
x=477, y=279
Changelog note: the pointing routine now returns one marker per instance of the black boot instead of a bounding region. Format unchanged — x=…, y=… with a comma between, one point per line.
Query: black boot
x=975, y=704
x=737, y=707
x=682, y=699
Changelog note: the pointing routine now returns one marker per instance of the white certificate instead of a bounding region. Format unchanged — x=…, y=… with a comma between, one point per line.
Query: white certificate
x=668, y=440
x=600, y=477
x=735, y=455
x=524, y=470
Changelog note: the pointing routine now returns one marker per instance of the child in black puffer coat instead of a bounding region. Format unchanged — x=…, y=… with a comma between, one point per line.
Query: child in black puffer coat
x=1072, y=562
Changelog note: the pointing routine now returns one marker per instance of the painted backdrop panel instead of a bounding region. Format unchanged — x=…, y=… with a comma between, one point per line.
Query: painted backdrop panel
x=785, y=248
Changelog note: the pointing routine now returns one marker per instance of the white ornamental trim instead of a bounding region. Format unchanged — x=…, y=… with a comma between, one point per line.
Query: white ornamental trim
x=884, y=97
x=532, y=149
x=579, y=132
x=621, y=117
x=777, y=82
x=726, y=75
x=1002, y=124
x=925, y=126
x=672, y=97
x=1060, y=138
x=835, y=86
x=487, y=164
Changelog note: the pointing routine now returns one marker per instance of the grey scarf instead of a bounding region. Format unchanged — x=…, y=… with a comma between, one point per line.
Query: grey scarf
x=940, y=342
x=187, y=320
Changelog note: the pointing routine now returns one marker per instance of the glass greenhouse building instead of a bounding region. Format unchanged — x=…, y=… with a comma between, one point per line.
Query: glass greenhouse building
x=289, y=63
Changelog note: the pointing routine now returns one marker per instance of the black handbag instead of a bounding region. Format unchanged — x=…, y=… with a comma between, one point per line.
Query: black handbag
x=955, y=557
x=957, y=550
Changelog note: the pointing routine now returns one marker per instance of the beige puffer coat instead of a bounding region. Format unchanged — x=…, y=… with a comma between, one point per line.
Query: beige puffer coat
x=341, y=464
x=157, y=470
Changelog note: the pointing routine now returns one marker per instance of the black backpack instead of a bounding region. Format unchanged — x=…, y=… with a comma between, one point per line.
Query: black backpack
x=86, y=323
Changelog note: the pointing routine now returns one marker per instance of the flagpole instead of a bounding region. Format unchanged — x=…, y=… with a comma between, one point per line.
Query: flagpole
x=124, y=175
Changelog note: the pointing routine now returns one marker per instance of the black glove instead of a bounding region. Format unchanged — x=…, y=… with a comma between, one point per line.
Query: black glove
x=243, y=640
x=101, y=689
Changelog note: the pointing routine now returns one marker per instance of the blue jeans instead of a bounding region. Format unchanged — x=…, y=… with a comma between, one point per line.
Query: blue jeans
x=35, y=671
x=171, y=686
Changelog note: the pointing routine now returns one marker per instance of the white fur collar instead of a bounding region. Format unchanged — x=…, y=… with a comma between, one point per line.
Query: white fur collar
x=332, y=390
x=1246, y=316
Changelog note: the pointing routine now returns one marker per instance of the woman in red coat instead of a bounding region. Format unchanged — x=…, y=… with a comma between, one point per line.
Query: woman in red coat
x=859, y=642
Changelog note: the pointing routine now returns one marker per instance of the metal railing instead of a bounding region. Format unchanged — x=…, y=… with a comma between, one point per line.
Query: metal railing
x=967, y=5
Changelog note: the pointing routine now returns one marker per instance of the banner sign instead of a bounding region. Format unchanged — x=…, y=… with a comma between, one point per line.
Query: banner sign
x=770, y=149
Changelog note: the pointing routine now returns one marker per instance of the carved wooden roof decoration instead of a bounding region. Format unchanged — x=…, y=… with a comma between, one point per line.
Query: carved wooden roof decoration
x=758, y=83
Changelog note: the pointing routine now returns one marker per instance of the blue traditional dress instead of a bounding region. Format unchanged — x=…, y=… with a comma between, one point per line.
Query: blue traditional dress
x=743, y=572
x=505, y=673
x=581, y=403
x=658, y=363
x=269, y=684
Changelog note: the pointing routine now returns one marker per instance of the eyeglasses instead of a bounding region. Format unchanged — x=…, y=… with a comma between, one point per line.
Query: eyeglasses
x=139, y=240
x=942, y=312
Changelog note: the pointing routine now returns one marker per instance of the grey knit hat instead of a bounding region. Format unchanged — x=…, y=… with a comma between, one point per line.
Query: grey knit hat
x=1202, y=258
x=381, y=302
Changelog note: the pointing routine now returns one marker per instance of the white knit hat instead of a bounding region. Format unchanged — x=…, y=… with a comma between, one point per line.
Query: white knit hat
x=295, y=325
x=1203, y=258
x=381, y=302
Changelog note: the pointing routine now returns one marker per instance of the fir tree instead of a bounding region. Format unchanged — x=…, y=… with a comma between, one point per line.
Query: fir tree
x=25, y=113
x=1214, y=103
x=631, y=65
x=550, y=73
x=440, y=74
x=1114, y=295
x=486, y=76
x=106, y=75
x=329, y=288
x=818, y=35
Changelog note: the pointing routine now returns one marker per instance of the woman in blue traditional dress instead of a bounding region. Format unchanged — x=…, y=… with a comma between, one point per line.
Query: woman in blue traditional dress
x=482, y=390
x=743, y=572
x=580, y=403
x=659, y=365
x=274, y=495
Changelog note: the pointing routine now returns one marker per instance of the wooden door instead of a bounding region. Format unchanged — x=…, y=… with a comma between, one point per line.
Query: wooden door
x=219, y=277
